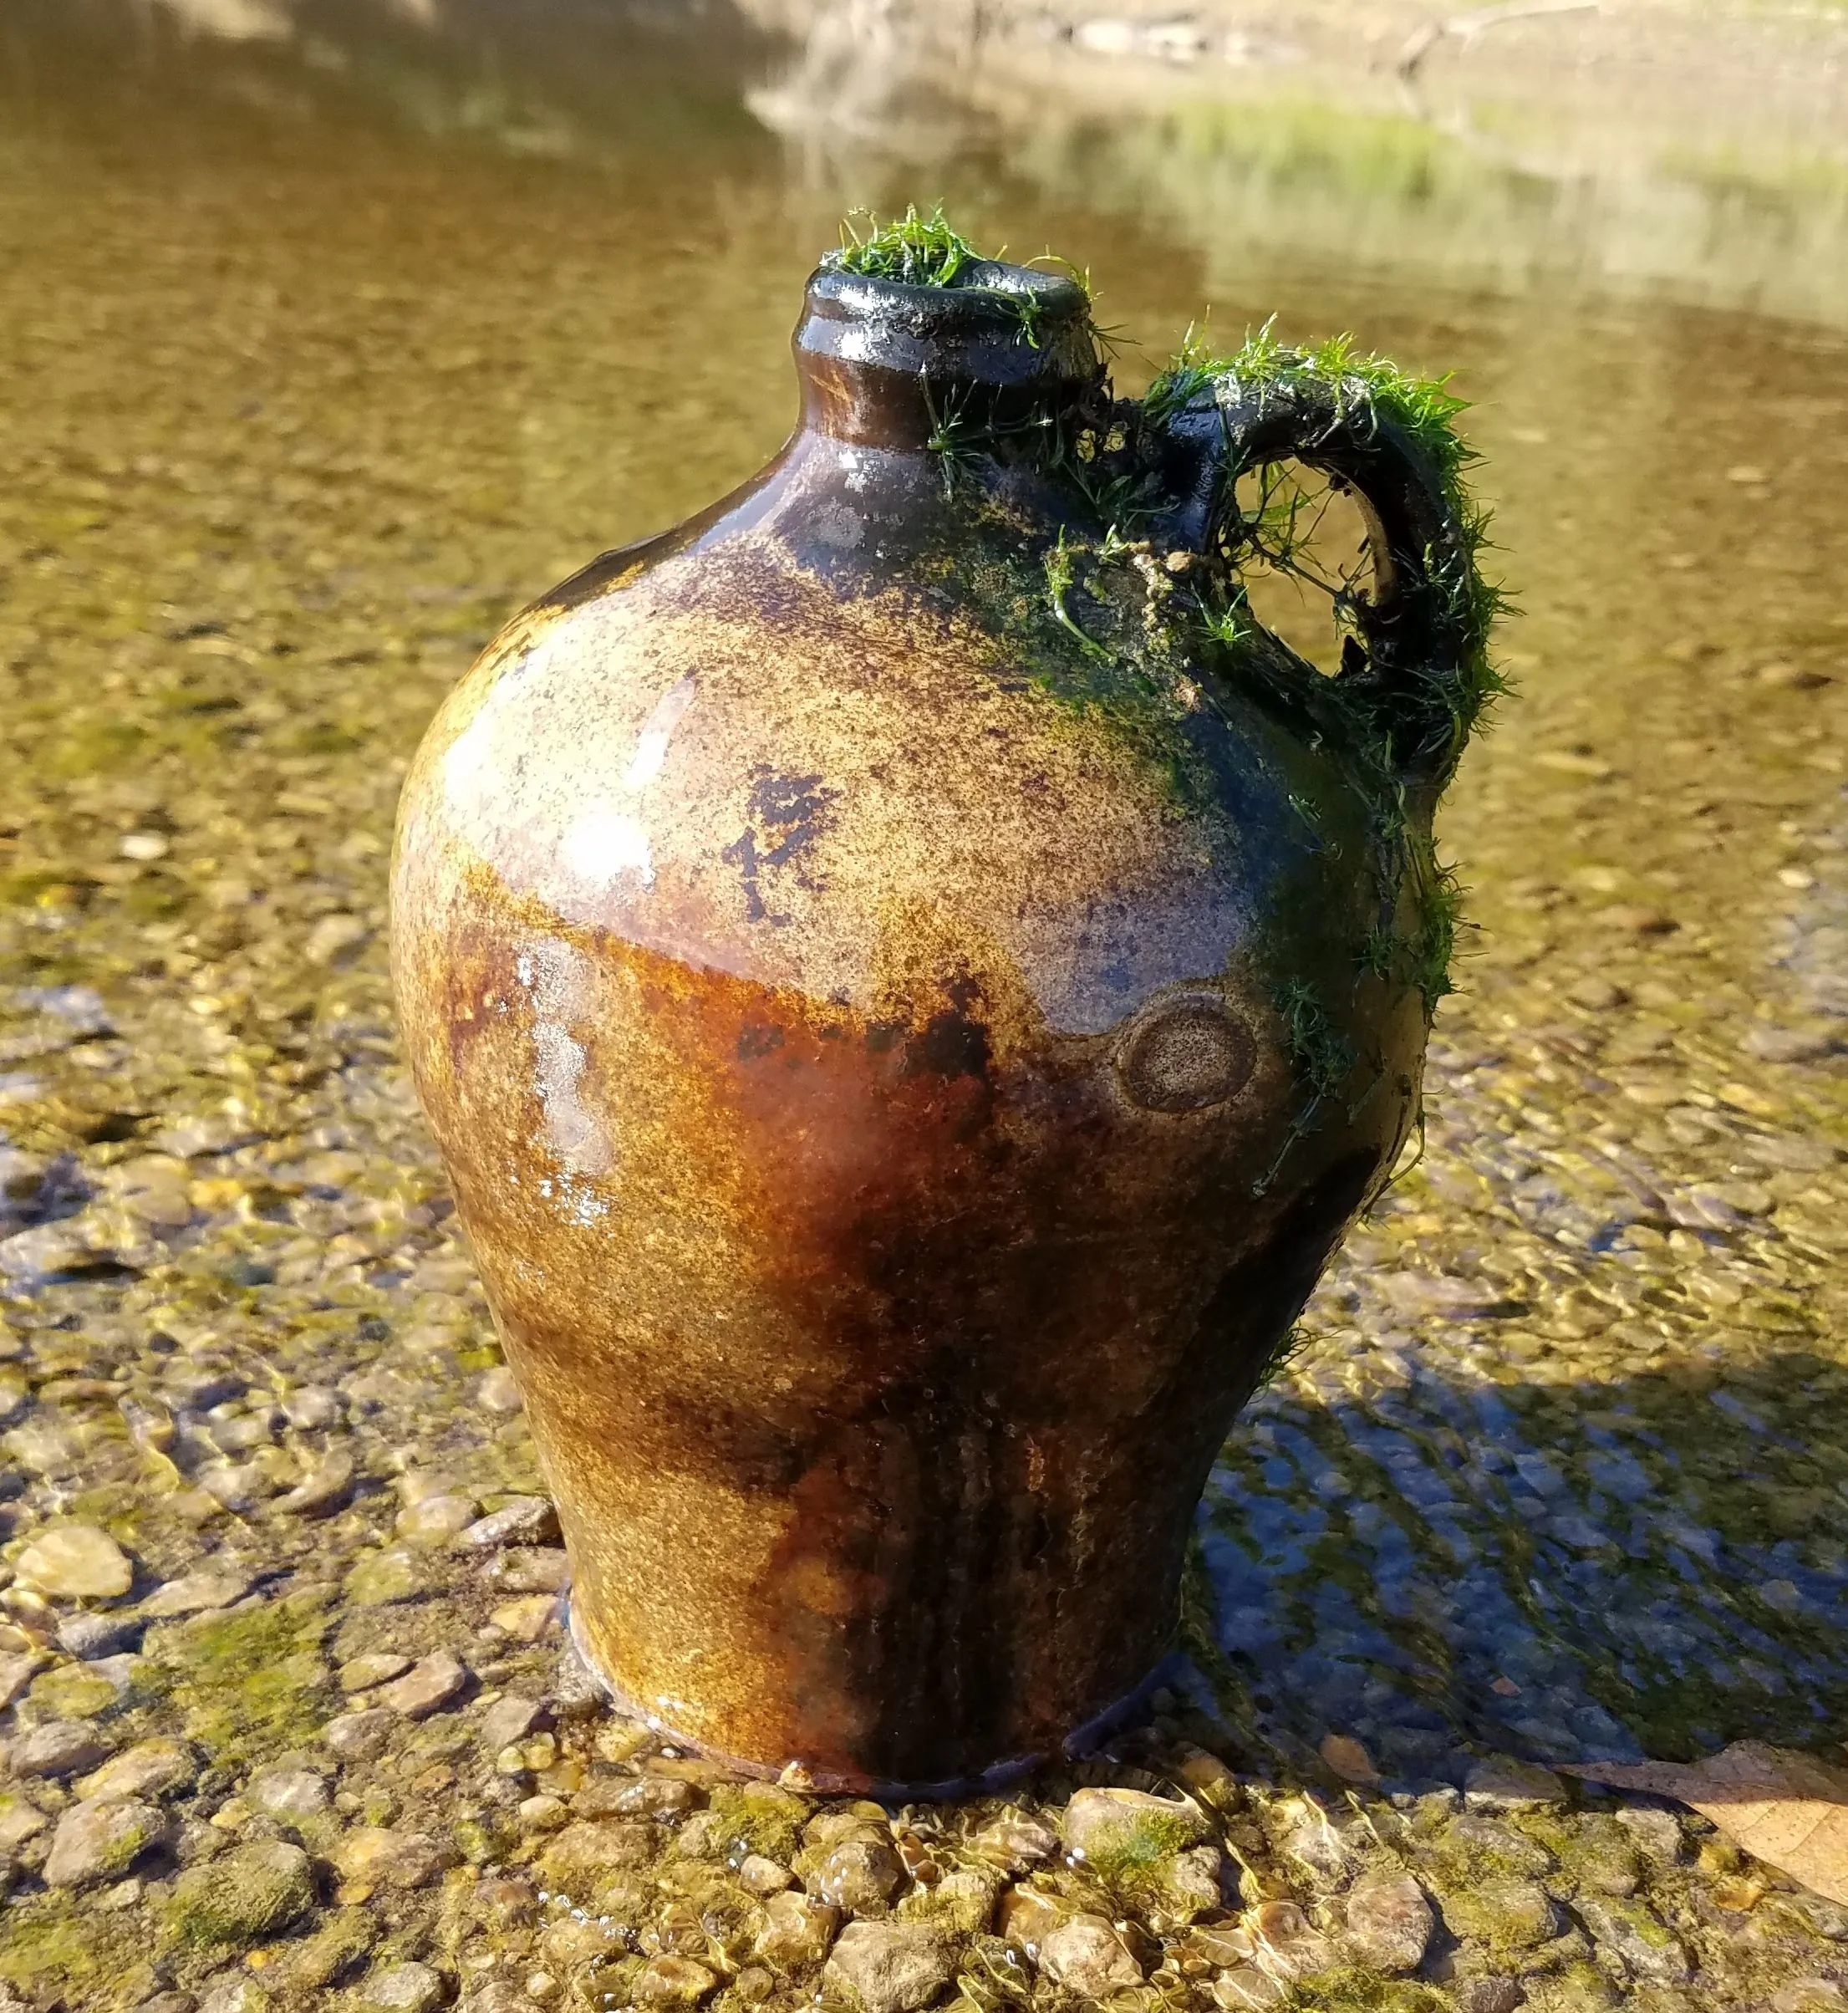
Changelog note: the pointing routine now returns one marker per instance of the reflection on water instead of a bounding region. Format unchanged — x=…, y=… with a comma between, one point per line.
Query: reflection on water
x=306, y=388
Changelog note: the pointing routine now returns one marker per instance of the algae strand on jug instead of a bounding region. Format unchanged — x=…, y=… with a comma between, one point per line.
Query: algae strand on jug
x=910, y=981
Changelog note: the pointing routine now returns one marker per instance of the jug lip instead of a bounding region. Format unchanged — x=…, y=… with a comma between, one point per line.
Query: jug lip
x=879, y=359
x=987, y=294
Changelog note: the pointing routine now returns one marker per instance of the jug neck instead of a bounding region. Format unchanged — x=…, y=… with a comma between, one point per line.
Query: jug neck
x=885, y=364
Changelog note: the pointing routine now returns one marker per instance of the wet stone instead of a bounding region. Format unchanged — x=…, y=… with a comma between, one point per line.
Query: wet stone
x=401, y=1988
x=528, y=1619
x=375, y=1855
x=245, y=1895
x=672, y=1981
x=1111, y=1830
x=1016, y=1843
x=758, y=1875
x=75, y=1561
x=1636, y=1934
x=962, y=1901
x=860, y=1875
x=497, y=1391
x=433, y=1684
x=17, y=1672
x=1490, y=1996
x=508, y=1720
x=1503, y=1912
x=664, y=1796
x=588, y=1848
x=1179, y=1888
x=1389, y=1923
x=360, y=1736
x=331, y=1953
x=890, y=1967
x=436, y=1522
x=60, y=1747
x=1808, y=1995
x=82, y=1691
x=500, y=1995
x=527, y=1520
x=1657, y=1832
x=530, y=1569
x=198, y=1592
x=287, y=1793
x=1026, y=1917
x=375, y=1666
x=156, y=1767
x=384, y=1579
x=323, y=1490
x=1086, y=1955
x=1478, y=1842
x=232, y=1994
x=309, y=1407
x=1501, y=1784
x=1292, y=1947
x=96, y=1842
x=90, y=1636
x=797, y=1931
x=1244, y=1988
x=20, y=1819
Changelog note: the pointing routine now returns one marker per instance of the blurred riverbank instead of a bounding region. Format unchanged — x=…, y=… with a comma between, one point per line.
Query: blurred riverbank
x=1659, y=148
x=1638, y=145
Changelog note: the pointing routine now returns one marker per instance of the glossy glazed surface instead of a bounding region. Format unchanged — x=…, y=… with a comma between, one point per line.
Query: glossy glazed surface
x=858, y=1053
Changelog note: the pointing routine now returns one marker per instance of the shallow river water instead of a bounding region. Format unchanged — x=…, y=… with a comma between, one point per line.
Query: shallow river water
x=320, y=352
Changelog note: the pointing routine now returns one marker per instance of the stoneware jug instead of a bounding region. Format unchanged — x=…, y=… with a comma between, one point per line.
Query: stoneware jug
x=910, y=982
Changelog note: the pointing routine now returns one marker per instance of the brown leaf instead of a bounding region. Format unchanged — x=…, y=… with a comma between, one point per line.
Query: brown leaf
x=1783, y=1808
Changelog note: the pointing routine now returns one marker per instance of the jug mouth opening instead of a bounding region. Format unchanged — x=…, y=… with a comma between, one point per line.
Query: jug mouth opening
x=878, y=357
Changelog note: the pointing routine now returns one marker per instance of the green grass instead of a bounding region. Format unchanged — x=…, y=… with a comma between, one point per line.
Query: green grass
x=1321, y=1054
x=920, y=251
x=1364, y=390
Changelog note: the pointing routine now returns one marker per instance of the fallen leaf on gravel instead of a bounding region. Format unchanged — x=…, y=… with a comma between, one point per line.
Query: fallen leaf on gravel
x=1783, y=1808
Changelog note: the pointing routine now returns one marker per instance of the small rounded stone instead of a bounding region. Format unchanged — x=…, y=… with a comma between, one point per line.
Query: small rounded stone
x=245, y=1895
x=401, y=1988
x=75, y=1561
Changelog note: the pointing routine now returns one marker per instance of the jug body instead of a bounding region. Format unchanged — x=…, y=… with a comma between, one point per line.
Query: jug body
x=903, y=1062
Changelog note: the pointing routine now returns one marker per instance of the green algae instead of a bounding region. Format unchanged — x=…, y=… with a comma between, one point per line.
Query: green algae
x=246, y=1896
x=1367, y=393
x=1130, y=638
x=332, y=1953
x=51, y=1941
x=250, y=1682
x=920, y=251
x=1346, y=1989
x=69, y=1692
x=744, y=1818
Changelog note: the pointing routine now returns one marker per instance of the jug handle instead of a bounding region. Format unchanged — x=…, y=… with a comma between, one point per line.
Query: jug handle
x=1421, y=672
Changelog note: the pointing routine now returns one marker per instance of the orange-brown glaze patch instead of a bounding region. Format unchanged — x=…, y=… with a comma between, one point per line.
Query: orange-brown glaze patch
x=876, y=1357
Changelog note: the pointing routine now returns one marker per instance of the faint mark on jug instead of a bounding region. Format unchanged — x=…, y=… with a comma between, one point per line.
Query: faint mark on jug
x=787, y=815
x=559, y=983
x=651, y=745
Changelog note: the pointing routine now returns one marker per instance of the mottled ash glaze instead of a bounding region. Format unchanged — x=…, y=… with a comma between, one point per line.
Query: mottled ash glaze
x=853, y=1029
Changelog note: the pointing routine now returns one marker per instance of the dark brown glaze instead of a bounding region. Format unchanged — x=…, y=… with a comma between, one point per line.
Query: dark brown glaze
x=862, y=1071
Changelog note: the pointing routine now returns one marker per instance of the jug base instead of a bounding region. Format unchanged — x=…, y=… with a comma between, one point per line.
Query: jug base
x=1083, y=1741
